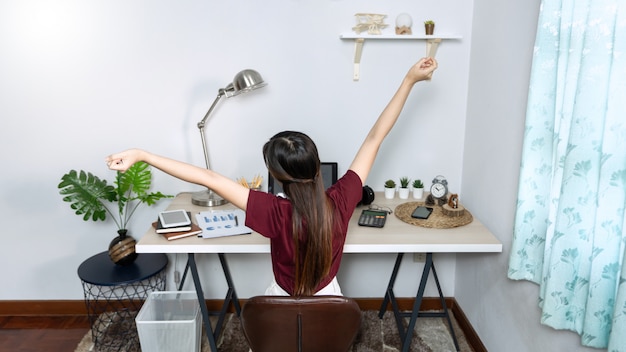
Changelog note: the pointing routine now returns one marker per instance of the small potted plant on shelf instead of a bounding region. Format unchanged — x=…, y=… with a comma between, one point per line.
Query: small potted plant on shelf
x=390, y=189
x=418, y=189
x=429, y=27
x=403, y=192
x=93, y=199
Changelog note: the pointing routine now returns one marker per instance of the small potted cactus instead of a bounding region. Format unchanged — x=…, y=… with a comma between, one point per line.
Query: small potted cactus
x=403, y=192
x=390, y=189
x=418, y=189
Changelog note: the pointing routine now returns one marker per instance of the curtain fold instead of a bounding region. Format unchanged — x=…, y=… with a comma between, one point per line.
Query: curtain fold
x=568, y=235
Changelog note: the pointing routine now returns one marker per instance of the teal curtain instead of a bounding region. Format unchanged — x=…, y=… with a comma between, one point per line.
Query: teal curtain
x=569, y=225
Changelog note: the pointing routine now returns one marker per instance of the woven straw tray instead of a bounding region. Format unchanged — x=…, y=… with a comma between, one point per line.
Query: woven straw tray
x=436, y=220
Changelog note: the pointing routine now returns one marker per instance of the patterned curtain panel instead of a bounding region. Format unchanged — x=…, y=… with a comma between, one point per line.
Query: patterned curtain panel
x=569, y=227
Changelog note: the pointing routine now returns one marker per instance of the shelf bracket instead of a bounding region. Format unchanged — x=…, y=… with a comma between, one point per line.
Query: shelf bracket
x=358, y=50
x=432, y=44
x=431, y=47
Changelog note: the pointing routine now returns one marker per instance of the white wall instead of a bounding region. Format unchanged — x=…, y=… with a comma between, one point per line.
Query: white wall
x=81, y=80
x=505, y=313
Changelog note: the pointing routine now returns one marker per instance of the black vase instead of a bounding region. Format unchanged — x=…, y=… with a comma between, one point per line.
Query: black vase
x=122, y=249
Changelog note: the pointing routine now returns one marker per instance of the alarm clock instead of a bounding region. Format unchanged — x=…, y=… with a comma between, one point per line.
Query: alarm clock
x=439, y=188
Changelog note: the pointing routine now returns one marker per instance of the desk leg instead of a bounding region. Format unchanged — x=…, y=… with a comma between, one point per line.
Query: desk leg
x=390, y=297
x=231, y=295
x=191, y=261
x=446, y=314
x=182, y=281
x=416, y=304
x=407, y=335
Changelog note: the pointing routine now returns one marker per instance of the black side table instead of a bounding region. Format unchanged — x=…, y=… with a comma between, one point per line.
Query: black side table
x=114, y=294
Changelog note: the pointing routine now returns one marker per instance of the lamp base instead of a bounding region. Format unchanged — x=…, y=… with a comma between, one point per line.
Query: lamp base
x=207, y=198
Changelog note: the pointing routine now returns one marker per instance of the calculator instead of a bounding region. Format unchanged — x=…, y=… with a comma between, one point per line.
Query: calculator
x=373, y=218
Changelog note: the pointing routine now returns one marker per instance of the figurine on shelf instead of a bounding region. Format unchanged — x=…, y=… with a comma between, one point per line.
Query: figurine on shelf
x=453, y=201
x=404, y=23
x=453, y=208
x=371, y=22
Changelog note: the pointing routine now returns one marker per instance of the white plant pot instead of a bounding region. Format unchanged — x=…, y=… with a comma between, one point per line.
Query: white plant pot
x=403, y=193
x=418, y=193
x=390, y=193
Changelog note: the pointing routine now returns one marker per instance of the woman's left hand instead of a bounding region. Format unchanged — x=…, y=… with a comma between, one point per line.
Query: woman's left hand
x=122, y=161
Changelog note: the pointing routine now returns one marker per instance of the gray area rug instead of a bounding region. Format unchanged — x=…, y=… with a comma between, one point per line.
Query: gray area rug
x=379, y=335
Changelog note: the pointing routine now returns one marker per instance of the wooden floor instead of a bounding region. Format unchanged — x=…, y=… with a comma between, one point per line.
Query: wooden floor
x=58, y=326
x=37, y=334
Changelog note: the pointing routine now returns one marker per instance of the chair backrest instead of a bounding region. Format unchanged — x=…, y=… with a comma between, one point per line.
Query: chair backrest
x=316, y=323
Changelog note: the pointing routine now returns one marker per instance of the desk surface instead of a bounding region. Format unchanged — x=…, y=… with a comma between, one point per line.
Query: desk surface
x=396, y=236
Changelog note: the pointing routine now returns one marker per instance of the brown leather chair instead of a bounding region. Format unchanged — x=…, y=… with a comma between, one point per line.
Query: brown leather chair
x=317, y=323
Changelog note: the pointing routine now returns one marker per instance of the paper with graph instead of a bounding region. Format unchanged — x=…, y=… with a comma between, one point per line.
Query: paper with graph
x=219, y=223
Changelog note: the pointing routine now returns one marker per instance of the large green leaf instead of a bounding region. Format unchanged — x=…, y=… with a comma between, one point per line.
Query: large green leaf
x=135, y=180
x=85, y=193
x=133, y=185
x=88, y=195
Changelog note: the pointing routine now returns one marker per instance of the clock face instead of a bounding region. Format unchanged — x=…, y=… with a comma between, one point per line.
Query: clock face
x=438, y=190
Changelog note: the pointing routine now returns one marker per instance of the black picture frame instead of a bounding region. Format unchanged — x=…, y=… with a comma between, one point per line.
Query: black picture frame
x=329, y=175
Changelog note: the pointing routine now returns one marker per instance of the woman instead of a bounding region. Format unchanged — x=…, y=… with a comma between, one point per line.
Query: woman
x=307, y=229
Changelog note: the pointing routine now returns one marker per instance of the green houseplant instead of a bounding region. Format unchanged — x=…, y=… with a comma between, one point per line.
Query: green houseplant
x=390, y=189
x=93, y=198
x=403, y=192
x=429, y=27
x=418, y=189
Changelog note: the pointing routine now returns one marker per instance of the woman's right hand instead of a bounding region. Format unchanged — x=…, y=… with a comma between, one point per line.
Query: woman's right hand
x=423, y=69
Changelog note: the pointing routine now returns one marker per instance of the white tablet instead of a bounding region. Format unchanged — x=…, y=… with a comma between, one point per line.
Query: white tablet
x=174, y=218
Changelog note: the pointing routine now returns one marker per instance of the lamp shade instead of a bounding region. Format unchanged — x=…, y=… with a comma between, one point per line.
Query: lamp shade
x=245, y=81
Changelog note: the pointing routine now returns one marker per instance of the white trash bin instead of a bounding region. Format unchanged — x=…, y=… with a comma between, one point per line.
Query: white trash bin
x=170, y=321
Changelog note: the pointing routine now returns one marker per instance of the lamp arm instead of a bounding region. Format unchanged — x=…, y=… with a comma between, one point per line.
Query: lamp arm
x=201, y=124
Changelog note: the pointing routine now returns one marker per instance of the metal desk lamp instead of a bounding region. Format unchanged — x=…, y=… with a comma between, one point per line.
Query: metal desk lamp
x=243, y=82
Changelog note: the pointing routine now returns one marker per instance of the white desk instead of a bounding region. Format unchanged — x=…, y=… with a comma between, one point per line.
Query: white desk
x=396, y=237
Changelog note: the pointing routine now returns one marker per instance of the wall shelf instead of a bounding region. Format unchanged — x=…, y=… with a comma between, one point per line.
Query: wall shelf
x=432, y=43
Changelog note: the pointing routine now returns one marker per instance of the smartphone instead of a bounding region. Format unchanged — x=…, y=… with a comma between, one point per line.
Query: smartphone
x=422, y=212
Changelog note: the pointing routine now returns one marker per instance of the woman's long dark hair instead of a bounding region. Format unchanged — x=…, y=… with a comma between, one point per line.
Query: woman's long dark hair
x=292, y=158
